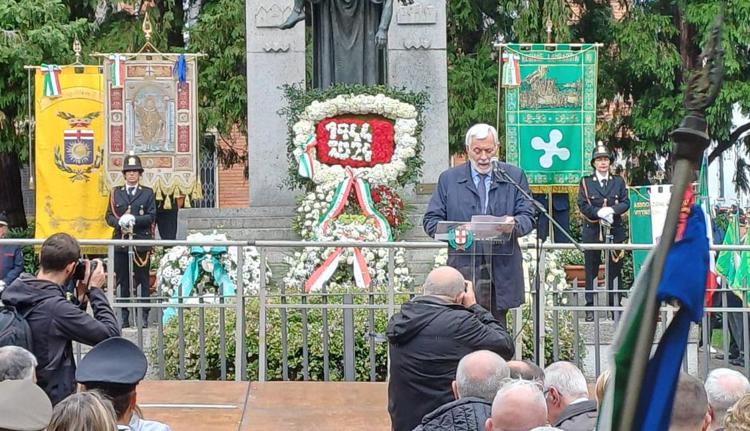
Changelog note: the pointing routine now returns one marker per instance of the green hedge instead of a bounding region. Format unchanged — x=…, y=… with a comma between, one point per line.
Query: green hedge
x=294, y=342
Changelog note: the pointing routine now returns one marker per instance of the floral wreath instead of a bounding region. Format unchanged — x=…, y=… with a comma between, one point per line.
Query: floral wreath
x=212, y=270
x=351, y=150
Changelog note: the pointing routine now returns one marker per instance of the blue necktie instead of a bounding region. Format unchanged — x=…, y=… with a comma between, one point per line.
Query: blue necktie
x=482, y=188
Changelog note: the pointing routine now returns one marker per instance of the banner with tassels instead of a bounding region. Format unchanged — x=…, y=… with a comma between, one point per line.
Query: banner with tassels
x=68, y=150
x=550, y=111
x=151, y=109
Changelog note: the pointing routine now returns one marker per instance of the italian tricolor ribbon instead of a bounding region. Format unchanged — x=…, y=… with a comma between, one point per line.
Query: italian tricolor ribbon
x=340, y=198
x=328, y=268
x=51, y=80
x=117, y=71
x=305, y=160
x=511, y=70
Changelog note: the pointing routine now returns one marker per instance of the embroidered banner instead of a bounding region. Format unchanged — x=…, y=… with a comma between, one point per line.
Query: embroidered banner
x=70, y=195
x=550, y=117
x=152, y=113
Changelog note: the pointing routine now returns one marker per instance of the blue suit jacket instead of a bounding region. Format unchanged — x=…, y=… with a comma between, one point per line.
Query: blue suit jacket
x=456, y=199
x=11, y=263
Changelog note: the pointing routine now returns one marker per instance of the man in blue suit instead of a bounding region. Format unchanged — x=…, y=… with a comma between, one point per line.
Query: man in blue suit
x=470, y=189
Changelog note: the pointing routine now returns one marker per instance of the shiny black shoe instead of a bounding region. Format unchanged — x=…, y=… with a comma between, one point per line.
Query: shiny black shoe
x=144, y=324
x=589, y=316
x=738, y=362
x=125, y=325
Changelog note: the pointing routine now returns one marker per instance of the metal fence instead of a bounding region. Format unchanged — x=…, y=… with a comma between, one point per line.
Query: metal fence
x=282, y=333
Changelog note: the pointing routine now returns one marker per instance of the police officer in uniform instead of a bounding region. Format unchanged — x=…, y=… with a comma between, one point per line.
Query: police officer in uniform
x=602, y=199
x=132, y=213
x=115, y=367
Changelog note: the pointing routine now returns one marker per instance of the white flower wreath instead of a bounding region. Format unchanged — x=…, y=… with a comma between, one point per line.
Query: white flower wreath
x=175, y=260
x=405, y=142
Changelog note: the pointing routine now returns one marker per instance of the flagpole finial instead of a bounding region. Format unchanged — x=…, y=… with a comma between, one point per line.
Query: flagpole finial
x=549, y=30
x=77, y=49
x=146, y=27
x=691, y=138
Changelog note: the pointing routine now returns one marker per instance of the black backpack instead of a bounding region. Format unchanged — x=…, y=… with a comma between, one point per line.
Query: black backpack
x=14, y=330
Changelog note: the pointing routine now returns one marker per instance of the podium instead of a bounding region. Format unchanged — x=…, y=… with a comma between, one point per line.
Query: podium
x=472, y=246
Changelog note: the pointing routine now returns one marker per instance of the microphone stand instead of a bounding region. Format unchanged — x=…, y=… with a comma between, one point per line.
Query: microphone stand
x=500, y=173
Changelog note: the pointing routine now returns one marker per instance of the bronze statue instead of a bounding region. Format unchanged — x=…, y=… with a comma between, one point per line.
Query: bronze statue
x=349, y=39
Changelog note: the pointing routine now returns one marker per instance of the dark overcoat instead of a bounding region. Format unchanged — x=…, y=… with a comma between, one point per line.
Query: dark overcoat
x=457, y=199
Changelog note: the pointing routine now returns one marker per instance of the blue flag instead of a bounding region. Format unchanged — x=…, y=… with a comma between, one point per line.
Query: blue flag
x=684, y=281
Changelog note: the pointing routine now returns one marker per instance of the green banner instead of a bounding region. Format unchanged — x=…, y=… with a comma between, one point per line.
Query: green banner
x=640, y=223
x=550, y=111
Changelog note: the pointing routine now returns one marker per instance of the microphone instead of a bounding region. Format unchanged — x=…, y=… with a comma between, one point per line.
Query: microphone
x=497, y=168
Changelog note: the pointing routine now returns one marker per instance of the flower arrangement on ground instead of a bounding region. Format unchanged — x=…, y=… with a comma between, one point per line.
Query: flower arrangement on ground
x=350, y=147
x=206, y=268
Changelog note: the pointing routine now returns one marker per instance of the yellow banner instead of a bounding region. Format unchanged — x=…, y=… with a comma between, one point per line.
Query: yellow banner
x=70, y=194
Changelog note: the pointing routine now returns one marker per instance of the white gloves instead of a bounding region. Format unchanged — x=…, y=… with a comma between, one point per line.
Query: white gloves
x=127, y=221
x=607, y=214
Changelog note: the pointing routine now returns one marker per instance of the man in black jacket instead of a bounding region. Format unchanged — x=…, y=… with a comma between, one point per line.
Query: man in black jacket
x=54, y=320
x=478, y=378
x=428, y=337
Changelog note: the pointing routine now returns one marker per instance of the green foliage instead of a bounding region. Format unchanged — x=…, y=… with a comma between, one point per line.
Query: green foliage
x=222, y=83
x=294, y=342
x=571, y=257
x=653, y=47
x=32, y=32
x=296, y=345
x=298, y=99
x=559, y=334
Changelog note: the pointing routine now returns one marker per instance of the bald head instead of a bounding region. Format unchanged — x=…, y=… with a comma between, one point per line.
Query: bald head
x=724, y=388
x=480, y=374
x=518, y=396
x=690, y=409
x=526, y=370
x=444, y=281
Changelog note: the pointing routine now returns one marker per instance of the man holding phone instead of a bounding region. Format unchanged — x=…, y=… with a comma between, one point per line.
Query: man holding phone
x=427, y=339
x=54, y=320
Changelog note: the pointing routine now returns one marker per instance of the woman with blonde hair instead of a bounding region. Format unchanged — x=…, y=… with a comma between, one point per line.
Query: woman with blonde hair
x=600, y=388
x=83, y=411
x=738, y=416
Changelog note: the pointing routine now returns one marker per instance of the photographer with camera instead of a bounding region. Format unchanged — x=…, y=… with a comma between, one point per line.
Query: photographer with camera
x=55, y=322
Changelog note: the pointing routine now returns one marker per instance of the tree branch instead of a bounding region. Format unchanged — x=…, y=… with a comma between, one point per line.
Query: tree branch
x=733, y=137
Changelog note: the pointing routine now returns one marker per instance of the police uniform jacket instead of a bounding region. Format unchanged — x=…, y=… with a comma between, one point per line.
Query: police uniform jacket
x=142, y=205
x=592, y=197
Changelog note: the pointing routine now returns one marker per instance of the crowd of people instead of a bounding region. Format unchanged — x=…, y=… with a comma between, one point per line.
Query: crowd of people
x=106, y=399
x=41, y=385
x=451, y=371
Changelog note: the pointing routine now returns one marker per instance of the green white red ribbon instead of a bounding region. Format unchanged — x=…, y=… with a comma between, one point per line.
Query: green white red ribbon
x=511, y=70
x=305, y=160
x=117, y=71
x=340, y=198
x=51, y=80
x=328, y=268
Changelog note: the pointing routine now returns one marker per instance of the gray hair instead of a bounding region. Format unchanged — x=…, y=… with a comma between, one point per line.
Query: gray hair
x=16, y=363
x=724, y=388
x=480, y=131
x=444, y=281
x=481, y=374
x=567, y=379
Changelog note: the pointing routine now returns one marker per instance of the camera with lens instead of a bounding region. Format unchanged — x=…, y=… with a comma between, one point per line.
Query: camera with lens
x=80, y=272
